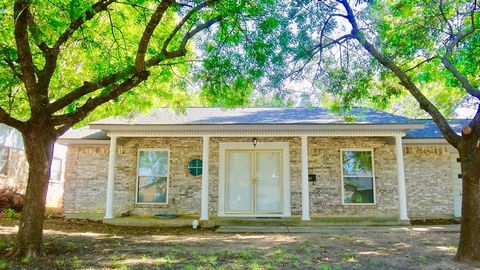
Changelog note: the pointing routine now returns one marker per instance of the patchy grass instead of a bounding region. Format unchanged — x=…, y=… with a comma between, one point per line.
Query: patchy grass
x=89, y=245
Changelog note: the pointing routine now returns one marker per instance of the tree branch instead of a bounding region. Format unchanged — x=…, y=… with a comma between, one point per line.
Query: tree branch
x=86, y=88
x=181, y=51
x=66, y=121
x=421, y=63
x=25, y=58
x=148, y=32
x=98, y=7
x=183, y=21
x=6, y=118
x=461, y=78
x=405, y=81
x=13, y=67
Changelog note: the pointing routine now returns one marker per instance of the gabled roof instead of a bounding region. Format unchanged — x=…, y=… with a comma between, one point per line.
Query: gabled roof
x=431, y=131
x=255, y=116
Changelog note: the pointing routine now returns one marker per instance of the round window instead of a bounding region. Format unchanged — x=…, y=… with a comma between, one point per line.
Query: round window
x=195, y=167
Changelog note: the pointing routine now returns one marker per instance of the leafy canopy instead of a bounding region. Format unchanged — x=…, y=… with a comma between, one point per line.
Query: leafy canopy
x=107, y=44
x=414, y=34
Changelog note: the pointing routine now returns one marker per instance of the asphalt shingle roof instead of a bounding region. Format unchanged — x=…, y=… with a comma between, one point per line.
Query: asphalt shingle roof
x=263, y=116
x=431, y=130
x=85, y=133
x=252, y=116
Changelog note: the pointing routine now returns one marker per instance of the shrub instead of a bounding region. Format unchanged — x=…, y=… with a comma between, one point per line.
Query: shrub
x=11, y=198
x=10, y=214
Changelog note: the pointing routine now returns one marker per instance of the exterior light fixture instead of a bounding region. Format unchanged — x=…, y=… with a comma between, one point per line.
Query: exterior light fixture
x=254, y=141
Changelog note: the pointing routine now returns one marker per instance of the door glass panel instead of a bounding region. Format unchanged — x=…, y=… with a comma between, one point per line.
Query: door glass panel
x=268, y=182
x=239, y=182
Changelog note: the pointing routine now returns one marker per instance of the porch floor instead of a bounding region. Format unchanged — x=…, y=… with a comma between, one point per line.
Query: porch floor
x=339, y=229
x=289, y=224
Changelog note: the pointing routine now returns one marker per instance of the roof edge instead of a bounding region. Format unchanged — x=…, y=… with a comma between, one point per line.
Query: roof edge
x=259, y=127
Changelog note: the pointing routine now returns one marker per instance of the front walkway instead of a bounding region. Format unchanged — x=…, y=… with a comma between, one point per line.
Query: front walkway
x=338, y=229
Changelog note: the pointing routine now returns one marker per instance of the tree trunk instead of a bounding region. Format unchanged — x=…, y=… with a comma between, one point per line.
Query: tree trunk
x=469, y=245
x=39, y=143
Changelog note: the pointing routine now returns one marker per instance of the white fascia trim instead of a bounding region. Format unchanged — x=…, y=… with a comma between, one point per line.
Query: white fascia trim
x=424, y=141
x=82, y=141
x=259, y=127
x=259, y=133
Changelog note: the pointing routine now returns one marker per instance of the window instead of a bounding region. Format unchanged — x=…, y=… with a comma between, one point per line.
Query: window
x=152, y=180
x=195, y=167
x=56, y=170
x=4, y=160
x=358, y=177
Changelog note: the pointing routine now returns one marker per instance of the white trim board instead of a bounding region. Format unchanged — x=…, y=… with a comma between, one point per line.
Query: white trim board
x=283, y=146
x=257, y=134
x=259, y=127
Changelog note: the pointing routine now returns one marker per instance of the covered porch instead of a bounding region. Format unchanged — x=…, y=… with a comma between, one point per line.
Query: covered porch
x=215, y=167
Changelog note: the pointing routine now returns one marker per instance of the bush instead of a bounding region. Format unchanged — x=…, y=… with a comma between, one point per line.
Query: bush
x=10, y=213
x=11, y=198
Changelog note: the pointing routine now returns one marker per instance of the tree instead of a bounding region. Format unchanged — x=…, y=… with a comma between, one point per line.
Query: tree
x=377, y=49
x=61, y=60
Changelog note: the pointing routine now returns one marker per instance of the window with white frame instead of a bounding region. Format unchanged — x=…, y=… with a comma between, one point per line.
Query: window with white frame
x=358, y=176
x=4, y=151
x=56, y=170
x=152, y=176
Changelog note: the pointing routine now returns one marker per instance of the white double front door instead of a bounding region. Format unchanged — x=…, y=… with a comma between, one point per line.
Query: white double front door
x=253, y=182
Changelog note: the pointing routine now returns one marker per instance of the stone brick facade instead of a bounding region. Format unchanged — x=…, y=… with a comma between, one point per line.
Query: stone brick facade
x=85, y=179
x=87, y=166
x=428, y=181
x=326, y=192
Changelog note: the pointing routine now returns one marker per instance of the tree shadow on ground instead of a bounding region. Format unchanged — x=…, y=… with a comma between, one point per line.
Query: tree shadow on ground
x=84, y=245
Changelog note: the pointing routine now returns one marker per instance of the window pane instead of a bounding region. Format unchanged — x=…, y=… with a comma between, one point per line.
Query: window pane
x=152, y=189
x=55, y=170
x=56, y=164
x=195, y=167
x=3, y=160
x=153, y=163
x=358, y=190
x=357, y=163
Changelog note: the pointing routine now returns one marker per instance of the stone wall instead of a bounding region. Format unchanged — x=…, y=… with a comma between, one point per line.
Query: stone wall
x=326, y=191
x=428, y=181
x=426, y=169
x=85, y=179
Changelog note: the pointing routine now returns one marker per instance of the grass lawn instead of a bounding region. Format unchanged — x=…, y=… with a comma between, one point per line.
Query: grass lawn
x=88, y=245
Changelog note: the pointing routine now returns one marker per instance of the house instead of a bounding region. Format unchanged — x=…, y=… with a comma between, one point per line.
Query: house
x=261, y=162
x=14, y=166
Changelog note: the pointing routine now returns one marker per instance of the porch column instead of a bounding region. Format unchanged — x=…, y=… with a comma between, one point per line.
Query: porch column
x=402, y=194
x=305, y=192
x=205, y=162
x=111, y=177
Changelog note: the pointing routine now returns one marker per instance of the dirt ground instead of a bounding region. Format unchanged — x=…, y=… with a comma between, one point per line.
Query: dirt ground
x=89, y=245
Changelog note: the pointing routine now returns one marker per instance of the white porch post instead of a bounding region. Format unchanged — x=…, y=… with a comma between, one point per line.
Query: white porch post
x=402, y=194
x=111, y=177
x=305, y=192
x=205, y=162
